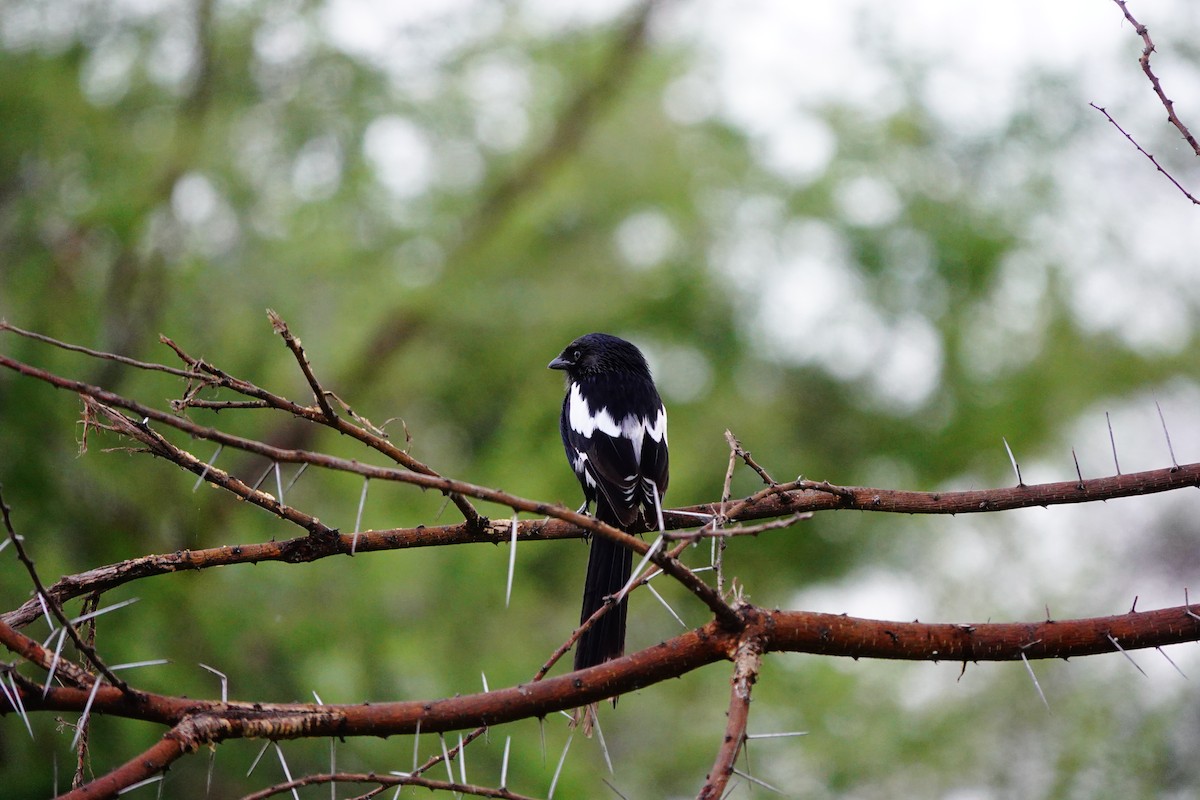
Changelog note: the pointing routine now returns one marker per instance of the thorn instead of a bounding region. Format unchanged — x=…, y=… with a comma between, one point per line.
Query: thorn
x=1133, y=608
x=332, y=759
x=62, y=637
x=416, y=743
x=224, y=685
x=558, y=770
x=1170, y=449
x=207, y=466
x=658, y=507
x=462, y=760
x=287, y=773
x=362, y=501
x=1078, y=473
x=1016, y=467
x=139, y=784
x=212, y=763
x=296, y=477
x=615, y=790
x=1187, y=606
x=446, y=758
x=485, y=685
x=753, y=779
x=512, y=561
x=83, y=718
x=1048, y=617
x=262, y=477
x=154, y=662
x=1033, y=677
x=1113, y=441
x=600, y=737
x=1117, y=645
x=635, y=576
x=1163, y=653
x=504, y=764
x=278, y=483
x=258, y=757
x=105, y=610
x=45, y=611
x=666, y=605
x=775, y=735
x=14, y=700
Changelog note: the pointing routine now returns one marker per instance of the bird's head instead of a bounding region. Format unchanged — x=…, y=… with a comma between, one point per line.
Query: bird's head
x=598, y=354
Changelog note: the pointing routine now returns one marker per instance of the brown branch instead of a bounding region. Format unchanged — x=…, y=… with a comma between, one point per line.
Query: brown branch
x=778, y=631
x=177, y=742
x=1144, y=60
x=785, y=500
x=1153, y=160
x=745, y=674
x=40, y=591
x=34, y=653
x=200, y=722
x=387, y=781
x=209, y=375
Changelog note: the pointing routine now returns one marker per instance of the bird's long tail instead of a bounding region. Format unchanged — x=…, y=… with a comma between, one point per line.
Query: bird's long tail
x=609, y=565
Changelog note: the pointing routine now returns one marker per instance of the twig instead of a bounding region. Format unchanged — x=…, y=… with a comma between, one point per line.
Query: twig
x=1141, y=150
x=89, y=652
x=745, y=674
x=1144, y=60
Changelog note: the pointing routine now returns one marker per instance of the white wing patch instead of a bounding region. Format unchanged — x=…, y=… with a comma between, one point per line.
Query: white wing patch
x=634, y=428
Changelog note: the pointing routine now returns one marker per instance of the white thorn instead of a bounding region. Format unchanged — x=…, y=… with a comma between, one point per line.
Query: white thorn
x=753, y=779
x=462, y=760
x=224, y=687
x=140, y=784
x=557, y=770
x=362, y=501
x=504, y=764
x=1013, y=460
x=14, y=701
x=105, y=610
x=446, y=758
x=83, y=718
x=207, y=466
x=154, y=662
x=287, y=773
x=666, y=605
x=635, y=576
x=258, y=757
x=1036, y=685
x=512, y=561
x=1117, y=645
x=62, y=637
x=1163, y=653
x=600, y=738
x=775, y=735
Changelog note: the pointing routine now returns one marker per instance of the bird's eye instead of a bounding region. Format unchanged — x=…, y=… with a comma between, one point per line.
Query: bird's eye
x=575, y=354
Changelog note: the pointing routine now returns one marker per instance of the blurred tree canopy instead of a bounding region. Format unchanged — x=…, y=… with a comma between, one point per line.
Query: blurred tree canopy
x=438, y=199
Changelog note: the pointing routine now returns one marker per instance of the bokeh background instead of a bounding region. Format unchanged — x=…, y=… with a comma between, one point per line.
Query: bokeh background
x=870, y=238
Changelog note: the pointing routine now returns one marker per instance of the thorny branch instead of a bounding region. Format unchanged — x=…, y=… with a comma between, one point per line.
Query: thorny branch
x=1144, y=60
x=1168, y=104
x=738, y=632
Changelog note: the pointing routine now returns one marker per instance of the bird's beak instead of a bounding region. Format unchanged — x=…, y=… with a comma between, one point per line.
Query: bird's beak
x=559, y=363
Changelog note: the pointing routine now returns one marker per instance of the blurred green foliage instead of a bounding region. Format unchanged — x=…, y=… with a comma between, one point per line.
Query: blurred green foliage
x=180, y=169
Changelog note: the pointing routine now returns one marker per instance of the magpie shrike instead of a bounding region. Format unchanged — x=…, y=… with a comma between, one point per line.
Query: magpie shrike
x=614, y=429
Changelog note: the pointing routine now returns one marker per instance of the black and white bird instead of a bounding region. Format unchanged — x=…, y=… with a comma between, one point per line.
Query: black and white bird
x=614, y=429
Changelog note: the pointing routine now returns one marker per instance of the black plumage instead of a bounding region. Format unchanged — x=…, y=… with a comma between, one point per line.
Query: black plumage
x=614, y=431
